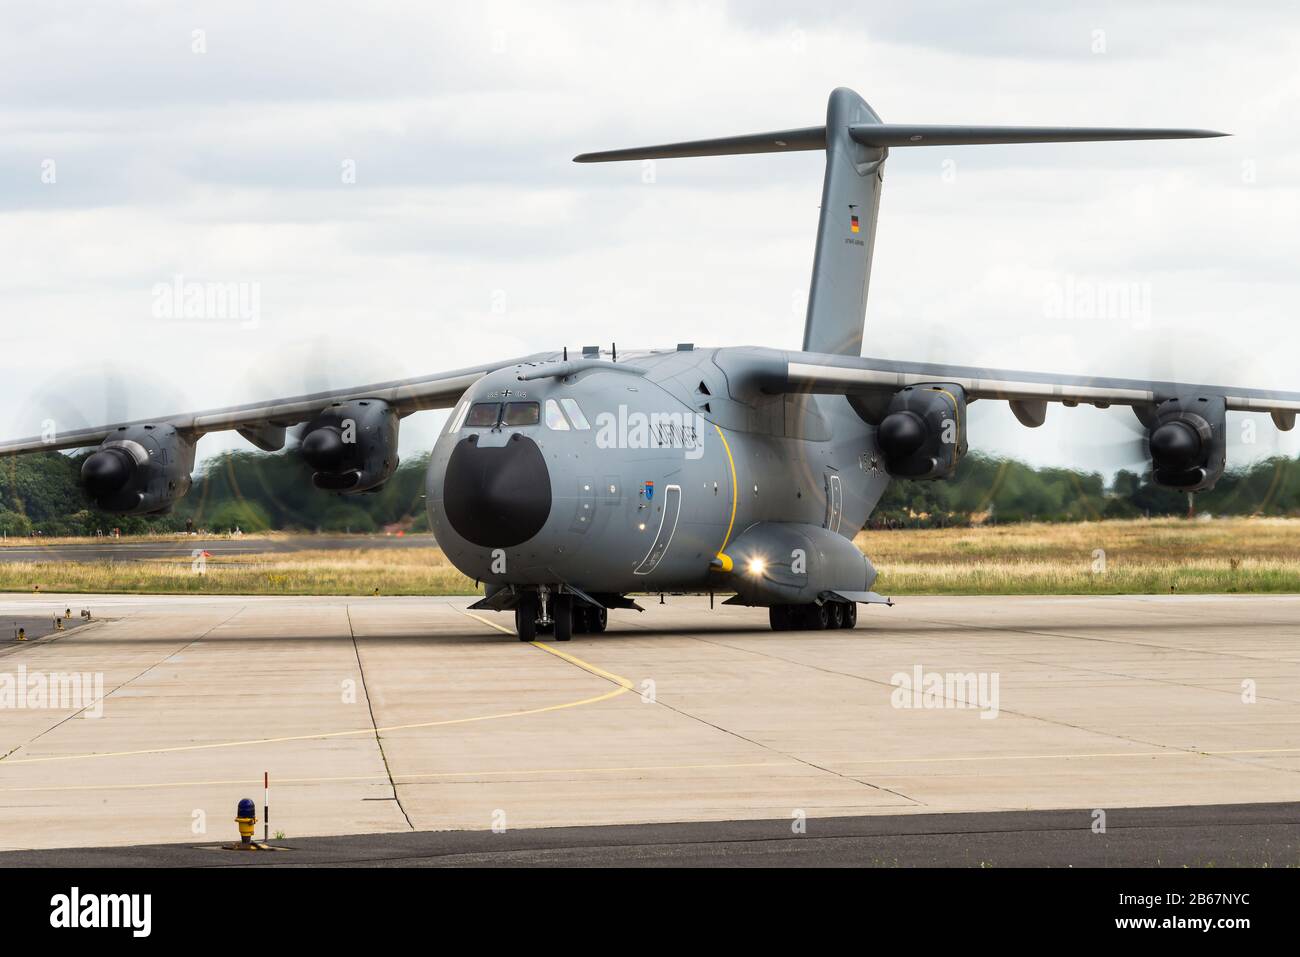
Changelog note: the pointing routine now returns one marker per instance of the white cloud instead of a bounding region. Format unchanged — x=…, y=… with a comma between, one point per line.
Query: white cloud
x=226, y=165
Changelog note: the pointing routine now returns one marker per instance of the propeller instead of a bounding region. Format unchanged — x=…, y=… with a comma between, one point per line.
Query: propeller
x=1180, y=446
x=87, y=396
x=327, y=459
x=326, y=369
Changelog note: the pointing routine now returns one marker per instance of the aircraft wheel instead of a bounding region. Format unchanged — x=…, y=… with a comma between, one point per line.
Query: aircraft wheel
x=526, y=618
x=819, y=617
x=778, y=616
x=850, y=614
x=562, y=613
x=835, y=614
x=803, y=617
x=597, y=619
x=581, y=619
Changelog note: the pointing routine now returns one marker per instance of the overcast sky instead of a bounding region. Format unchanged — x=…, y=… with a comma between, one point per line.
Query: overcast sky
x=394, y=182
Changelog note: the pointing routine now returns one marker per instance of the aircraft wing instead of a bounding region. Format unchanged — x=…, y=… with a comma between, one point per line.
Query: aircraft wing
x=809, y=372
x=438, y=391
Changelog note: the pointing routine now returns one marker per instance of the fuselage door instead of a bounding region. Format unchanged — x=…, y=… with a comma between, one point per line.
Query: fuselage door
x=672, y=508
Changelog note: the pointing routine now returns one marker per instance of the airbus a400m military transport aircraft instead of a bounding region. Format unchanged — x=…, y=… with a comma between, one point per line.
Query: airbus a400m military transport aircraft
x=565, y=483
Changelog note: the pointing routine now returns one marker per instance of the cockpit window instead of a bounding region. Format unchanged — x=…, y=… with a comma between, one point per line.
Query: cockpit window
x=522, y=413
x=575, y=414
x=483, y=415
x=554, y=417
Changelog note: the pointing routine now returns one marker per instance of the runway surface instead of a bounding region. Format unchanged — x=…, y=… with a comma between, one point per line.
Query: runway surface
x=391, y=715
x=1240, y=835
x=35, y=626
x=134, y=550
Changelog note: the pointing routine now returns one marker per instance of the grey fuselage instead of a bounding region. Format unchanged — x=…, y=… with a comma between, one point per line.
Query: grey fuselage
x=678, y=459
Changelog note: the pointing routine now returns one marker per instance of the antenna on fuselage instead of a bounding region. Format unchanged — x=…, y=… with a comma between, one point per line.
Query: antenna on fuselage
x=613, y=351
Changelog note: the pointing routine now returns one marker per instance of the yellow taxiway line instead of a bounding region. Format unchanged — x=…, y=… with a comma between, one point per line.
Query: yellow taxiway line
x=624, y=686
x=623, y=683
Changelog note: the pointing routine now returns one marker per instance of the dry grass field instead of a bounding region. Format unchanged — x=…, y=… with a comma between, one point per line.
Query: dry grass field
x=1156, y=556
x=1114, y=557
x=27, y=541
x=342, y=571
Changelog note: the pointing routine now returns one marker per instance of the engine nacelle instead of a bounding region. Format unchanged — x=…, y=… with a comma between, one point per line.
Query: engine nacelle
x=352, y=446
x=922, y=434
x=783, y=563
x=1187, y=441
x=139, y=469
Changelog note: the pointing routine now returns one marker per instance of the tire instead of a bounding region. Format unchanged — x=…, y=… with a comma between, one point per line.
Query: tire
x=581, y=619
x=835, y=614
x=850, y=615
x=805, y=617
x=597, y=619
x=562, y=613
x=778, y=616
x=526, y=618
x=819, y=617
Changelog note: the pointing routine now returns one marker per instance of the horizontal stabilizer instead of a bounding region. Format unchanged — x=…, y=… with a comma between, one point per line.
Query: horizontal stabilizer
x=778, y=141
x=909, y=134
x=891, y=134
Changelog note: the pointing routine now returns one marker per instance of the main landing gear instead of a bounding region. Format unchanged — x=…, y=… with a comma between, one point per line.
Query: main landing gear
x=813, y=617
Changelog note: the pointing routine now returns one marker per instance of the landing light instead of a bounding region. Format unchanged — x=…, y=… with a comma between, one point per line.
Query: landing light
x=757, y=566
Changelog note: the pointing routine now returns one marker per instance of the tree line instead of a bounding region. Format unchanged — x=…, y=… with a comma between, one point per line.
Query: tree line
x=251, y=491
x=990, y=489
x=254, y=491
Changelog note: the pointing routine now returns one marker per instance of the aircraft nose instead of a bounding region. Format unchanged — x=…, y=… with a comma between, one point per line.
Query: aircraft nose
x=497, y=497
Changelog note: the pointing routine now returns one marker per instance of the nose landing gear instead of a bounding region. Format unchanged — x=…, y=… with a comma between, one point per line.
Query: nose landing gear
x=526, y=614
x=543, y=612
x=563, y=612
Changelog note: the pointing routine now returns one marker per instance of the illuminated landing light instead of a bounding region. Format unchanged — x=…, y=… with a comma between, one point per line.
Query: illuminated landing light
x=641, y=526
x=757, y=566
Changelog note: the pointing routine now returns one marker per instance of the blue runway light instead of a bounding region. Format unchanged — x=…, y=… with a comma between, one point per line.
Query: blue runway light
x=246, y=818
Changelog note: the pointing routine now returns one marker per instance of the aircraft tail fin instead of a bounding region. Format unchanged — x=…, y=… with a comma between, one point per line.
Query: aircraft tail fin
x=856, y=144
